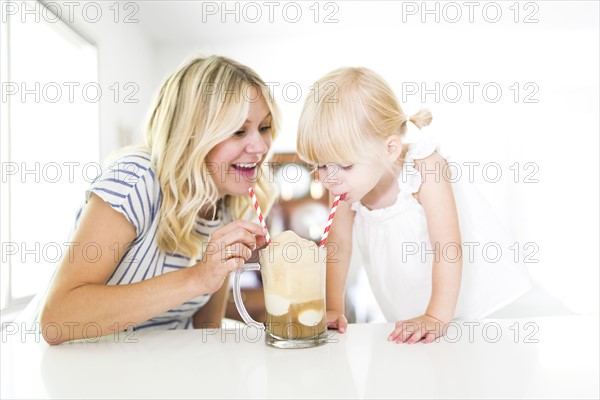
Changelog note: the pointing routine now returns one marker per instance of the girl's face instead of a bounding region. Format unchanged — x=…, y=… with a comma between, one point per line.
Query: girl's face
x=234, y=163
x=365, y=182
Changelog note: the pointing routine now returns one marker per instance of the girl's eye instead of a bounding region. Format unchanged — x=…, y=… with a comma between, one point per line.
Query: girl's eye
x=239, y=133
x=265, y=129
x=312, y=167
x=323, y=167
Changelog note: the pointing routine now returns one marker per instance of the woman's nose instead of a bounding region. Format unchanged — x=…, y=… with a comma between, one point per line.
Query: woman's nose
x=258, y=144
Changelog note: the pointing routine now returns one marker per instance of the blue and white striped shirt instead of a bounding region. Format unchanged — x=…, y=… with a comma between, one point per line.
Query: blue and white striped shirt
x=130, y=186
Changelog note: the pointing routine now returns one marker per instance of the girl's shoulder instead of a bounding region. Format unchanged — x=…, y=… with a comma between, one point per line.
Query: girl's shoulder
x=422, y=158
x=423, y=146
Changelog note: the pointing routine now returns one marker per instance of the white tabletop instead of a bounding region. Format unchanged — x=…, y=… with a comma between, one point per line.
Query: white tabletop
x=551, y=357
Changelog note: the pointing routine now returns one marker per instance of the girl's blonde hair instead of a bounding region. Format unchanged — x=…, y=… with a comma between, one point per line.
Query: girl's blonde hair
x=348, y=114
x=199, y=106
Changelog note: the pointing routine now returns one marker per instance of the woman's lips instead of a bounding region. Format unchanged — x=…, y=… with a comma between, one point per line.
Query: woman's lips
x=244, y=171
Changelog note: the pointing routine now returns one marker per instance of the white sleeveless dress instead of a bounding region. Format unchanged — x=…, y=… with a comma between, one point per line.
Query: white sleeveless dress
x=397, y=255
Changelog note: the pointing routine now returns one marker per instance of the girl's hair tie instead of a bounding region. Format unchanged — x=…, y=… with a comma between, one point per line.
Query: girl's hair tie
x=412, y=131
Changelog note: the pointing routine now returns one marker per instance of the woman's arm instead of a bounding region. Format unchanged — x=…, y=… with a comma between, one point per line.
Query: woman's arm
x=339, y=251
x=79, y=294
x=212, y=313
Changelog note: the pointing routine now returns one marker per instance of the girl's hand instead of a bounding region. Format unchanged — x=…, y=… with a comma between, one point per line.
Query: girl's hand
x=424, y=328
x=227, y=250
x=337, y=320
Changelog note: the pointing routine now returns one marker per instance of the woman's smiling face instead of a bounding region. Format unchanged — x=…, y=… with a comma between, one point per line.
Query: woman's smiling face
x=234, y=163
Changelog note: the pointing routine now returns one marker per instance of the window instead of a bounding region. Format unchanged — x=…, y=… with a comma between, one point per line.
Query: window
x=50, y=144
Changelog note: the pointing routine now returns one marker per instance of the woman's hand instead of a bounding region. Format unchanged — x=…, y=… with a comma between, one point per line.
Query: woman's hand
x=227, y=250
x=424, y=328
x=337, y=320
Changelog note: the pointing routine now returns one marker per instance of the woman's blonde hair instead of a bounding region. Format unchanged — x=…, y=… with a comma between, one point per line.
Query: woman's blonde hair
x=199, y=106
x=348, y=114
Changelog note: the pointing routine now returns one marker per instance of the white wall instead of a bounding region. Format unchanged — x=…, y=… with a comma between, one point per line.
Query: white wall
x=126, y=57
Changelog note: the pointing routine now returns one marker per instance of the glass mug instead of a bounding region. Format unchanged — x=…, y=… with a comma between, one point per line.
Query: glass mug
x=293, y=276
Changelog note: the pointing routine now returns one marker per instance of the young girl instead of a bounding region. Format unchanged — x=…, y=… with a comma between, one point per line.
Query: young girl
x=409, y=223
x=161, y=229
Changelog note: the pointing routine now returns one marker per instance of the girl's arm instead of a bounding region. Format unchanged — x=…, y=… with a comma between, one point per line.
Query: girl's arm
x=339, y=250
x=79, y=294
x=437, y=199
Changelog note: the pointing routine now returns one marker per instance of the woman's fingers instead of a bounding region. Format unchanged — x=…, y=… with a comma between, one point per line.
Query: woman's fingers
x=228, y=249
x=238, y=243
x=237, y=237
x=237, y=250
x=261, y=240
x=248, y=226
x=234, y=264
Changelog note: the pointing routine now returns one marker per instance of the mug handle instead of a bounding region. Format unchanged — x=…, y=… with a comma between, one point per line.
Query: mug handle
x=237, y=296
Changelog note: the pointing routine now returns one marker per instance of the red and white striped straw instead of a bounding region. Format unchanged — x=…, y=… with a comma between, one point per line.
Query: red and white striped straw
x=336, y=201
x=259, y=213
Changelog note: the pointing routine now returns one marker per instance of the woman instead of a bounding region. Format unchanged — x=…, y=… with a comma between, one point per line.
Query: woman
x=163, y=227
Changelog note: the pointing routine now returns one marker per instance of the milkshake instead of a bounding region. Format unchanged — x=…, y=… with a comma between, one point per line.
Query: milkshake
x=293, y=273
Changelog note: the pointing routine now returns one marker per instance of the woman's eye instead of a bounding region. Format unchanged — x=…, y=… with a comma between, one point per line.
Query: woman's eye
x=239, y=133
x=265, y=129
x=346, y=167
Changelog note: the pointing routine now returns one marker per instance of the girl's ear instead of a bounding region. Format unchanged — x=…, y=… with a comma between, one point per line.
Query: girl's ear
x=394, y=147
